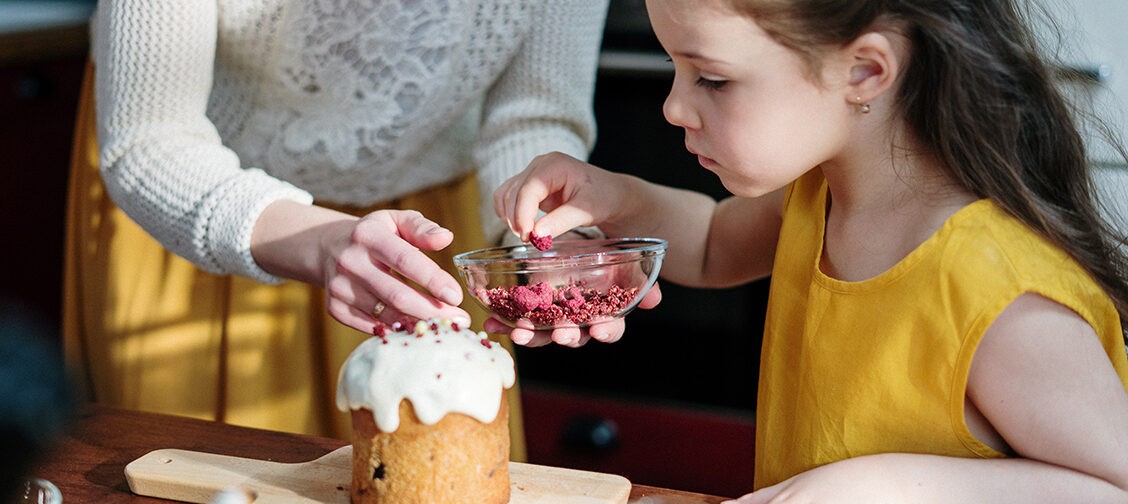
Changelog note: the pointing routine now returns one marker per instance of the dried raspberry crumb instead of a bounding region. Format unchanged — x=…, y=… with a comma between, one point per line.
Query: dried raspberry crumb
x=454, y=326
x=537, y=297
x=487, y=343
x=545, y=306
x=540, y=242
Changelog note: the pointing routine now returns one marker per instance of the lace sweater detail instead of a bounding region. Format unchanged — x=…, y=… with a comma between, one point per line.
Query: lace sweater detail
x=208, y=111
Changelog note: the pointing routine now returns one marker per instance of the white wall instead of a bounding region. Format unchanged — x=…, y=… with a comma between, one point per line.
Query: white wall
x=1096, y=37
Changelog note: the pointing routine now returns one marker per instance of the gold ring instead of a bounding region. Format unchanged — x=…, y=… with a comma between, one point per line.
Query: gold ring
x=378, y=309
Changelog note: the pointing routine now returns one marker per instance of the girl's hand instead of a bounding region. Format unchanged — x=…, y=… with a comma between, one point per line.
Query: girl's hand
x=604, y=332
x=365, y=264
x=571, y=192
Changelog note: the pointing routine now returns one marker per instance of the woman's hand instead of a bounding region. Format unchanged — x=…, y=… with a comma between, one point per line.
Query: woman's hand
x=367, y=265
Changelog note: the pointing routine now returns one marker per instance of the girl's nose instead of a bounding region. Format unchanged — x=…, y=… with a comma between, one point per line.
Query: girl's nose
x=677, y=110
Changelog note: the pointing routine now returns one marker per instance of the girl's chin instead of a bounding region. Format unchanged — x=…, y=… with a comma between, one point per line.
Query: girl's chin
x=706, y=162
x=745, y=187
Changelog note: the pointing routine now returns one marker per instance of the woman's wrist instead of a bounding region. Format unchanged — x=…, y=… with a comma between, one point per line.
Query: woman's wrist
x=294, y=240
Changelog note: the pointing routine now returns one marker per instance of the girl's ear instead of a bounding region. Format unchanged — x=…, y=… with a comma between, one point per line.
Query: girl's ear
x=874, y=63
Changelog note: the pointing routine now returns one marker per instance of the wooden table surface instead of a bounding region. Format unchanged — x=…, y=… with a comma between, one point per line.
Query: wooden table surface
x=88, y=463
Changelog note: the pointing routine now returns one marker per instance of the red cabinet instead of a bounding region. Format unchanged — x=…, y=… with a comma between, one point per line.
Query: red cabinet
x=652, y=443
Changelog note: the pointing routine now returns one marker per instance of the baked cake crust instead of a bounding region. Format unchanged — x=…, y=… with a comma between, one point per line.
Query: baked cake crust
x=415, y=463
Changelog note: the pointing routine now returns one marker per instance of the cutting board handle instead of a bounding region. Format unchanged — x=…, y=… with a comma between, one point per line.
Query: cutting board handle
x=191, y=476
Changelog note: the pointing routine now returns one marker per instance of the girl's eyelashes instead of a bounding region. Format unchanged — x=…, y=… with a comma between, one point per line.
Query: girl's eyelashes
x=703, y=82
x=711, y=84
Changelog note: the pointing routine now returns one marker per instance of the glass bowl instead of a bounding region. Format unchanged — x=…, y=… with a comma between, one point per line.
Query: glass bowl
x=575, y=283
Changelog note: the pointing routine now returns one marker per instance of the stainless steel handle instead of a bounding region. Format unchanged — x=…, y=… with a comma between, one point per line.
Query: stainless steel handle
x=641, y=63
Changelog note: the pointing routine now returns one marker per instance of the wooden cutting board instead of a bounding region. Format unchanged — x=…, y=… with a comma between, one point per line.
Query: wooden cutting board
x=196, y=477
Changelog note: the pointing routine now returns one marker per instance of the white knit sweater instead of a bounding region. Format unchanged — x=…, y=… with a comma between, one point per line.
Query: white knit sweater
x=210, y=110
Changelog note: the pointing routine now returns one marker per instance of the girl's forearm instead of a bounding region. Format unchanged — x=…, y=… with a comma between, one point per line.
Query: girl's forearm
x=677, y=215
x=923, y=479
x=1001, y=481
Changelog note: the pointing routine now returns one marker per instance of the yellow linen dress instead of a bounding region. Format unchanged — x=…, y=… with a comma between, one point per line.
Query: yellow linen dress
x=881, y=365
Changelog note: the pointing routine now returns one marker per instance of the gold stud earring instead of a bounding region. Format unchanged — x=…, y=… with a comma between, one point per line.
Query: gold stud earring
x=864, y=107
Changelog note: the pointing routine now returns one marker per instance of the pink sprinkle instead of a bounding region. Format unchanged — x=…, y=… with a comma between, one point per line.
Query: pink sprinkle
x=486, y=343
x=540, y=242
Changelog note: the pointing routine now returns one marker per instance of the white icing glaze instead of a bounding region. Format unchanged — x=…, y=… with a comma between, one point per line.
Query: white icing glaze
x=439, y=370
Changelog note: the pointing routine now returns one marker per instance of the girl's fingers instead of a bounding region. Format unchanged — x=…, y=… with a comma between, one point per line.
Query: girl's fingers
x=560, y=220
x=652, y=297
x=542, y=185
x=608, y=332
x=567, y=336
x=502, y=201
x=529, y=338
x=526, y=205
x=524, y=336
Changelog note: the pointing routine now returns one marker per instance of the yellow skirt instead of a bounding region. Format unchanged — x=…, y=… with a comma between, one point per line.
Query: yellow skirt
x=145, y=329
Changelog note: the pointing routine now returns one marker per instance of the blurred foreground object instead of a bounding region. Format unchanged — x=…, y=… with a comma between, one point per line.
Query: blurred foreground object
x=36, y=400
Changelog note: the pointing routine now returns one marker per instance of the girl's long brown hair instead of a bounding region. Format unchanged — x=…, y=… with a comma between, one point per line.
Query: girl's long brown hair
x=979, y=95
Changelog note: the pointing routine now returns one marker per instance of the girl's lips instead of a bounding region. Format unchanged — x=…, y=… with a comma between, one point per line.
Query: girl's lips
x=704, y=161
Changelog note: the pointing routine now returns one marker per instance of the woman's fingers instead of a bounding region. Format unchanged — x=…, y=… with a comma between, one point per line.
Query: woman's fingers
x=394, y=246
x=374, y=273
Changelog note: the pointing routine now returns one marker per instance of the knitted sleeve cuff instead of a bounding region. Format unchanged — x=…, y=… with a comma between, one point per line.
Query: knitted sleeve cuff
x=235, y=207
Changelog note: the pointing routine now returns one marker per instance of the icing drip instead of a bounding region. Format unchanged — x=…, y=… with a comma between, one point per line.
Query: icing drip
x=438, y=366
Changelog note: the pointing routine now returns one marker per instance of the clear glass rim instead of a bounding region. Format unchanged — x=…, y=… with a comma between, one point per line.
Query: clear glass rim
x=609, y=251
